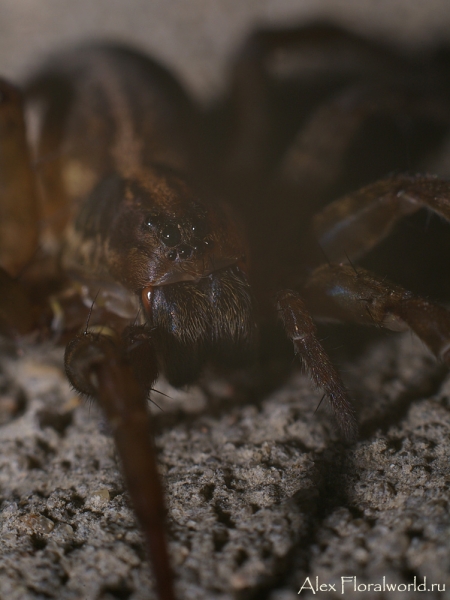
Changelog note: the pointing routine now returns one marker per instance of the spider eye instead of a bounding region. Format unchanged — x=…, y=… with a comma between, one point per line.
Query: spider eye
x=198, y=229
x=171, y=235
x=152, y=220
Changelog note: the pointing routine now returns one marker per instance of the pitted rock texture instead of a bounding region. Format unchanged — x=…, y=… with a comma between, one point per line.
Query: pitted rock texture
x=261, y=493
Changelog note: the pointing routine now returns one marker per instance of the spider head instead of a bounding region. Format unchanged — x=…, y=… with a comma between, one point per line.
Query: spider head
x=183, y=257
x=196, y=298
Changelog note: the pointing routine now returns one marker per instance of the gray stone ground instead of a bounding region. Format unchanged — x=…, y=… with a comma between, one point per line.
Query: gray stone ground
x=261, y=494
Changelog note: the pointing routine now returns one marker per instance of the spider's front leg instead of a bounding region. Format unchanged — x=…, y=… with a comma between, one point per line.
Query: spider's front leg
x=352, y=225
x=347, y=229
x=119, y=372
x=341, y=293
x=301, y=330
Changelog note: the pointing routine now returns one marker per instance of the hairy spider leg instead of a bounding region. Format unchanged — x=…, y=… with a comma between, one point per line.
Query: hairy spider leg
x=341, y=293
x=301, y=330
x=351, y=226
x=103, y=366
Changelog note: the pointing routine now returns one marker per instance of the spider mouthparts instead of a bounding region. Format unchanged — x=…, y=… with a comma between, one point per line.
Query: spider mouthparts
x=193, y=272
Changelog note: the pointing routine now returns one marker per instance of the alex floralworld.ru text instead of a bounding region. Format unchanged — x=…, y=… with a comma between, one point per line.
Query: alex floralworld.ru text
x=350, y=584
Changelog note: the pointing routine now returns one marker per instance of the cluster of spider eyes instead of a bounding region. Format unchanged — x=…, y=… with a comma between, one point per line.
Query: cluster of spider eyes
x=171, y=236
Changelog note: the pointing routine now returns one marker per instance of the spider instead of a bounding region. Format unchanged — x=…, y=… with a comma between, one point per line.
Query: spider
x=174, y=237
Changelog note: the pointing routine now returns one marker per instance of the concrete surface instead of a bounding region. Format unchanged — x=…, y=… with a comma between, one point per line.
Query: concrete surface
x=261, y=496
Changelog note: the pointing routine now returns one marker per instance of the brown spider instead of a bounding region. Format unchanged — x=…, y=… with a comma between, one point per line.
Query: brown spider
x=171, y=237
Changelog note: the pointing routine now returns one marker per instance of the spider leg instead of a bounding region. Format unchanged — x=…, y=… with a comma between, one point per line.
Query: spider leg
x=349, y=227
x=319, y=66
x=341, y=293
x=301, y=330
x=18, y=205
x=315, y=159
x=102, y=366
x=306, y=55
x=309, y=147
x=119, y=373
